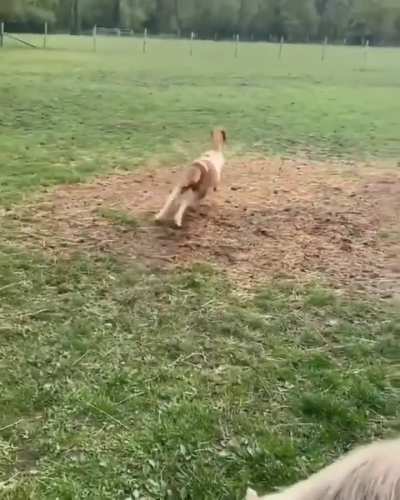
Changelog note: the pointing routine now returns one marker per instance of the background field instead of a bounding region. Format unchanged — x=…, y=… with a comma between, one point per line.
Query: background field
x=119, y=382
x=68, y=113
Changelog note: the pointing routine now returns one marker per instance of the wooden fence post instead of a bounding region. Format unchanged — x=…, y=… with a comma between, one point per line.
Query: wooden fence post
x=45, y=35
x=1, y=34
x=366, y=47
x=237, y=40
x=191, y=43
x=323, y=48
x=145, y=41
x=95, y=38
x=281, y=46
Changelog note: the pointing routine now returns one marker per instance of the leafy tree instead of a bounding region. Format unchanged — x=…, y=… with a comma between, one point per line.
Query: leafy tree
x=28, y=10
x=75, y=19
x=298, y=20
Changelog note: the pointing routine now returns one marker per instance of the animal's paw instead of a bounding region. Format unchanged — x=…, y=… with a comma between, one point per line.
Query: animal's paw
x=159, y=217
x=178, y=223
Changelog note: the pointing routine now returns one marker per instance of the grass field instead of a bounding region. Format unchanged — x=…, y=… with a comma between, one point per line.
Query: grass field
x=70, y=113
x=119, y=381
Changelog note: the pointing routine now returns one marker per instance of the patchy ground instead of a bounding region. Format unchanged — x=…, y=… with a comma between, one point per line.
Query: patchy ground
x=271, y=219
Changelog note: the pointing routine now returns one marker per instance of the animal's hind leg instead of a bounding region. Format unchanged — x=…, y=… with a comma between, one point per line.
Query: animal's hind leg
x=181, y=212
x=163, y=213
x=187, y=201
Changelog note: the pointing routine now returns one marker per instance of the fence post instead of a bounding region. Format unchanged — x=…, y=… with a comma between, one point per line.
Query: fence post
x=237, y=40
x=145, y=41
x=323, y=48
x=95, y=38
x=191, y=43
x=366, y=47
x=45, y=35
x=1, y=34
x=281, y=46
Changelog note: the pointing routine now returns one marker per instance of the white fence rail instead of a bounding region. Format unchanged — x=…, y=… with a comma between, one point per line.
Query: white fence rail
x=101, y=31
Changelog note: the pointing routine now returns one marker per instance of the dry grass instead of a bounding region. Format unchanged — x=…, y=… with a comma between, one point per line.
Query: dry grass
x=272, y=219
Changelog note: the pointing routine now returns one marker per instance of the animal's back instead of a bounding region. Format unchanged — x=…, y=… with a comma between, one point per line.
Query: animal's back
x=216, y=158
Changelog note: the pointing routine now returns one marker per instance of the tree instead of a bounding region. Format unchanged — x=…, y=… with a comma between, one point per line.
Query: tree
x=116, y=12
x=246, y=16
x=75, y=20
x=11, y=9
x=301, y=19
x=135, y=14
x=335, y=18
x=376, y=20
x=28, y=10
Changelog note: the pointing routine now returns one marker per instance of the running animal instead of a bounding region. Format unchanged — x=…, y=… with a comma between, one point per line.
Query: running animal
x=202, y=176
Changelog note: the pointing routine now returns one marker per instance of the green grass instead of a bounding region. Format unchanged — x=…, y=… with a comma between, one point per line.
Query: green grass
x=119, y=218
x=172, y=385
x=70, y=113
x=119, y=382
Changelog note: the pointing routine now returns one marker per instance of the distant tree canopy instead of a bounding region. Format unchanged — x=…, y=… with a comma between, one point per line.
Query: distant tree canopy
x=296, y=20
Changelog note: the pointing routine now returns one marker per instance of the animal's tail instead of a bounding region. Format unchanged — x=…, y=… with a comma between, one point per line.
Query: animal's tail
x=203, y=166
x=194, y=183
x=219, y=138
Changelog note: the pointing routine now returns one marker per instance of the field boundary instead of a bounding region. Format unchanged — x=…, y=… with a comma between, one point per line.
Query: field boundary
x=20, y=40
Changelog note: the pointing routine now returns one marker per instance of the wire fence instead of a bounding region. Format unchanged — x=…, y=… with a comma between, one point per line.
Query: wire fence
x=105, y=39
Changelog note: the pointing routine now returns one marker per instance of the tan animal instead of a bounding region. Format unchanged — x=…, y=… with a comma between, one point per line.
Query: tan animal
x=368, y=473
x=202, y=176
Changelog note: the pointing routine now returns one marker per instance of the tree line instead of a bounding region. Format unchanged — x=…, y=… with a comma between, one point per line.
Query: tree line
x=297, y=20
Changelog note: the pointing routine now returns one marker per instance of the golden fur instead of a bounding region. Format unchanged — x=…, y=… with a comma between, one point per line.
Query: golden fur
x=368, y=473
x=203, y=175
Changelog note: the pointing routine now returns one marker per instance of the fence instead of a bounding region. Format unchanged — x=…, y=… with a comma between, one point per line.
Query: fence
x=44, y=41
x=17, y=38
x=101, y=31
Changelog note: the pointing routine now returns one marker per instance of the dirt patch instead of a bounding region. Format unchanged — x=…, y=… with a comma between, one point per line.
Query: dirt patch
x=270, y=219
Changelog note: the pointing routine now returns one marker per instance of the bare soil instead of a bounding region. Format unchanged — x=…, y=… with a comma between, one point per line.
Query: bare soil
x=271, y=219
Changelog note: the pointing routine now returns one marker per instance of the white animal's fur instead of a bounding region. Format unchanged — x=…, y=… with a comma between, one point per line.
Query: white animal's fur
x=368, y=473
x=203, y=175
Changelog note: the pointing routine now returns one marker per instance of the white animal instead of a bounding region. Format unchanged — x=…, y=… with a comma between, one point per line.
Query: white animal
x=367, y=473
x=204, y=174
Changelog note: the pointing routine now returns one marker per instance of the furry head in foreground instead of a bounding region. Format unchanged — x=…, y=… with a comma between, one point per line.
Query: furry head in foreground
x=367, y=473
